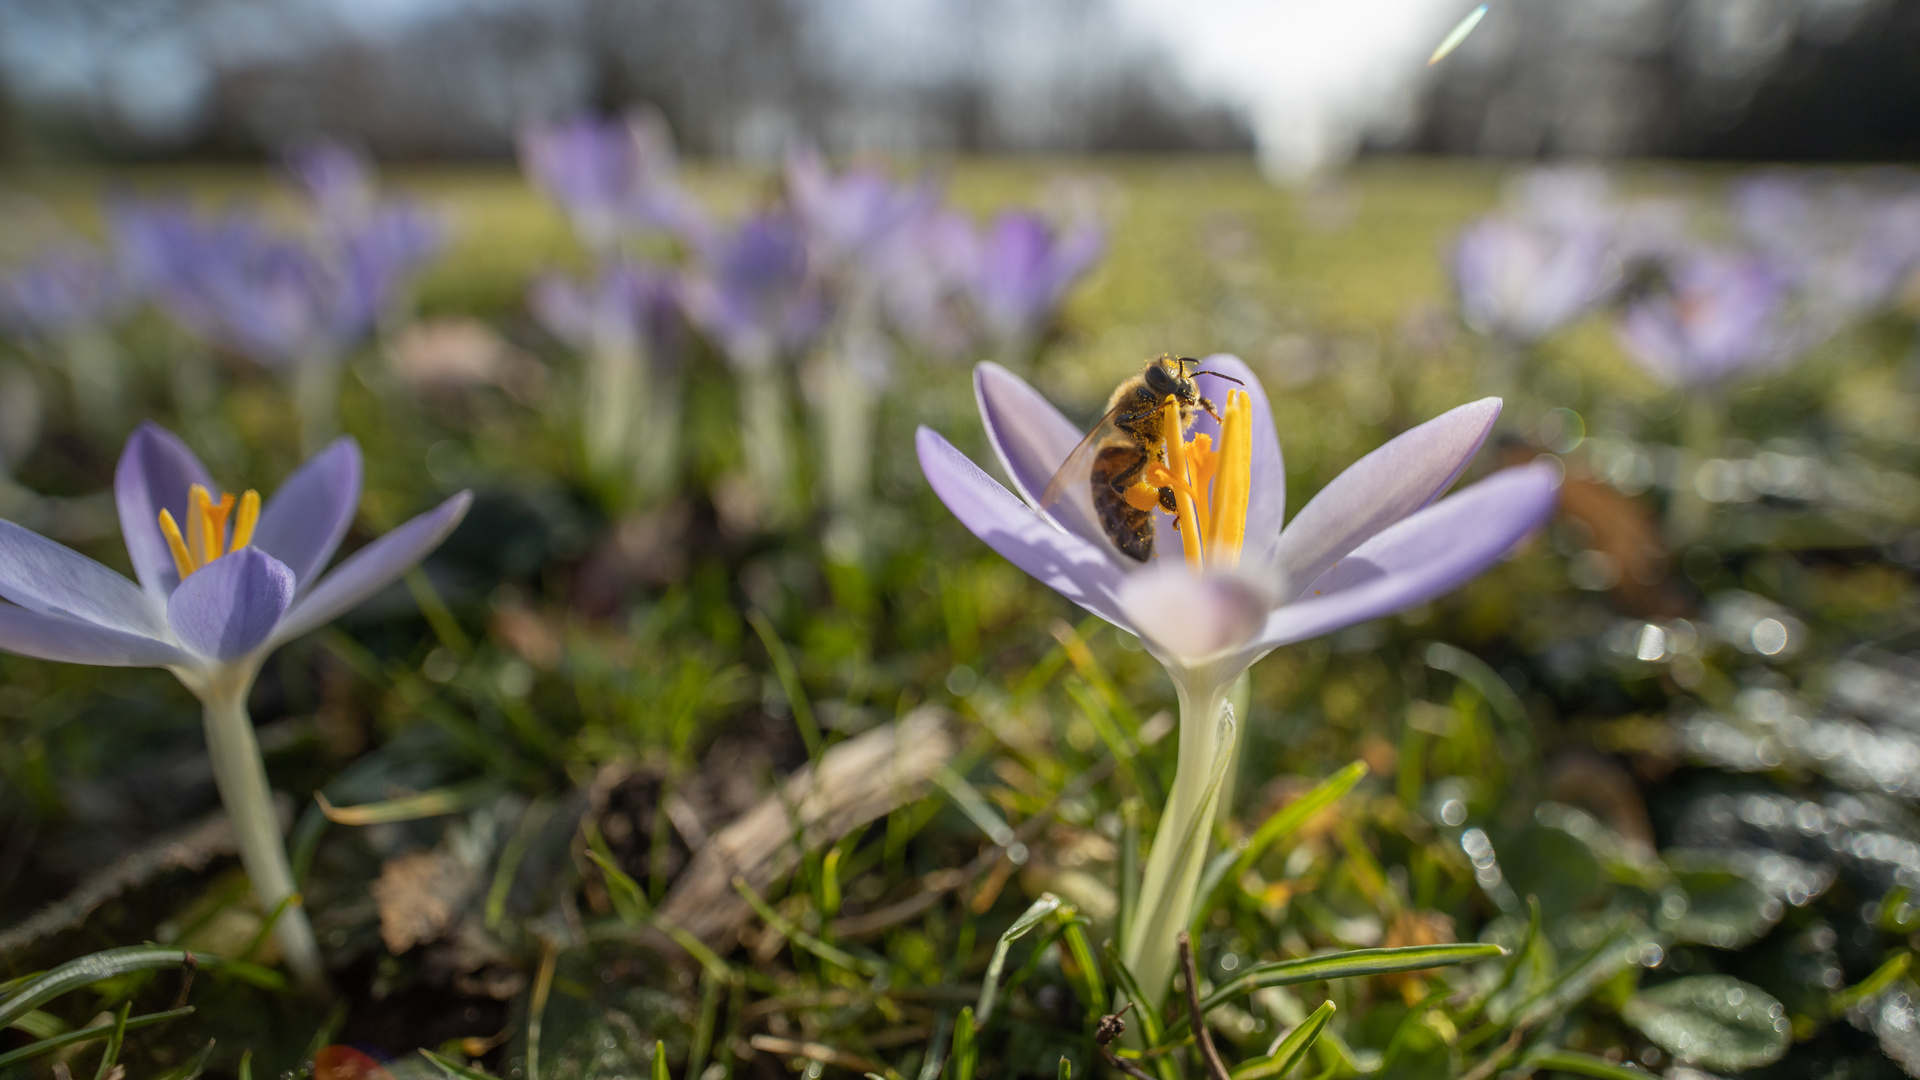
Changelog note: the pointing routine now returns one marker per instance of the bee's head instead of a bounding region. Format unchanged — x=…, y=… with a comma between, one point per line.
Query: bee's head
x=1168, y=375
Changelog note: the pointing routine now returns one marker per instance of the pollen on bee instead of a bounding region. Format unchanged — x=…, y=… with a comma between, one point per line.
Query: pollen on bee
x=1143, y=497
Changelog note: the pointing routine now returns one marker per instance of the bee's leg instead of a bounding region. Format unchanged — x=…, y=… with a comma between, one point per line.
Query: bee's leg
x=1124, y=479
x=1167, y=503
x=1211, y=411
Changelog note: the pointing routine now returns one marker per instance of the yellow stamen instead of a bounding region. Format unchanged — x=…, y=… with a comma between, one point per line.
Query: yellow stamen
x=216, y=527
x=182, y=558
x=1232, y=482
x=197, y=504
x=206, y=537
x=249, y=517
x=1190, y=537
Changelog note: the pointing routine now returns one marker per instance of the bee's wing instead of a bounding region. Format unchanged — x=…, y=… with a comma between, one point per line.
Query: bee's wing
x=1073, y=473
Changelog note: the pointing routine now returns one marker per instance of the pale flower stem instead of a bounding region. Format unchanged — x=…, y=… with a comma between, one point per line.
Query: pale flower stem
x=1238, y=696
x=656, y=453
x=241, y=777
x=1688, y=512
x=316, y=400
x=1166, y=894
x=765, y=439
x=607, y=407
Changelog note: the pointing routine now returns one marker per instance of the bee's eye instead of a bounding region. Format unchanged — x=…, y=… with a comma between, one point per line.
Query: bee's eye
x=1159, y=381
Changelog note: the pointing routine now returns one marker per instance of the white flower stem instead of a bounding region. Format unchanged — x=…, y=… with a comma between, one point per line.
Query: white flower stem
x=1174, y=863
x=242, y=779
x=842, y=398
x=1688, y=513
x=316, y=399
x=764, y=435
x=607, y=406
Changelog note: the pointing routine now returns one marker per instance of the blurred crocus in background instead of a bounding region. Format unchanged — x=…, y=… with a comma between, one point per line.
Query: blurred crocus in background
x=1708, y=318
x=627, y=320
x=613, y=178
x=1847, y=247
x=753, y=292
x=1528, y=271
x=223, y=581
x=1021, y=269
x=853, y=223
x=291, y=303
x=64, y=305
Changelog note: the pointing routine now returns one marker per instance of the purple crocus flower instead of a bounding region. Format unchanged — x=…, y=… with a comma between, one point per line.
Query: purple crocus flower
x=66, y=289
x=1521, y=280
x=369, y=245
x=611, y=177
x=755, y=292
x=924, y=279
x=221, y=584
x=1023, y=269
x=1372, y=542
x=337, y=178
x=1719, y=314
x=628, y=321
x=626, y=300
x=850, y=217
x=1847, y=247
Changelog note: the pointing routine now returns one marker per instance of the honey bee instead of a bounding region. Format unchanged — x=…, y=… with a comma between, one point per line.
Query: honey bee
x=1123, y=443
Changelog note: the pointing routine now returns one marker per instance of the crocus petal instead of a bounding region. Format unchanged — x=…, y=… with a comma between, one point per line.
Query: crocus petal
x=56, y=637
x=1063, y=562
x=1188, y=619
x=1267, y=501
x=154, y=473
x=1032, y=440
x=1423, y=556
x=372, y=568
x=43, y=576
x=225, y=609
x=308, y=516
x=1385, y=486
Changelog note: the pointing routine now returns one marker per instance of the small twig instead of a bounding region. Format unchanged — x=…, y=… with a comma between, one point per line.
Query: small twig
x=1496, y=1059
x=1126, y=1066
x=1216, y=1069
x=188, y=967
x=820, y=1052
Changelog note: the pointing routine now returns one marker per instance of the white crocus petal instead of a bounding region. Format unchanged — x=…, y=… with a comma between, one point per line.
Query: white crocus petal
x=1189, y=619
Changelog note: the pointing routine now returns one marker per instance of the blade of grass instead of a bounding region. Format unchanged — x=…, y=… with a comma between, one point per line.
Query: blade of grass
x=112, y=1052
x=112, y=963
x=84, y=1035
x=964, y=1049
x=789, y=677
x=786, y=928
x=1288, y=1050
x=975, y=806
x=629, y=901
x=190, y=1068
x=1582, y=1065
x=660, y=1061
x=1282, y=823
x=531, y=821
x=990, y=985
x=438, y=802
x=1354, y=964
x=1082, y=951
x=453, y=1069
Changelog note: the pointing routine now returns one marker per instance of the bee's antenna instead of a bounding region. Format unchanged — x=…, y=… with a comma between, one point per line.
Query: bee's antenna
x=1219, y=375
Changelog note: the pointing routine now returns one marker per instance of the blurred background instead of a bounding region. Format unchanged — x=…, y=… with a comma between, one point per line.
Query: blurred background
x=1304, y=84
x=670, y=284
